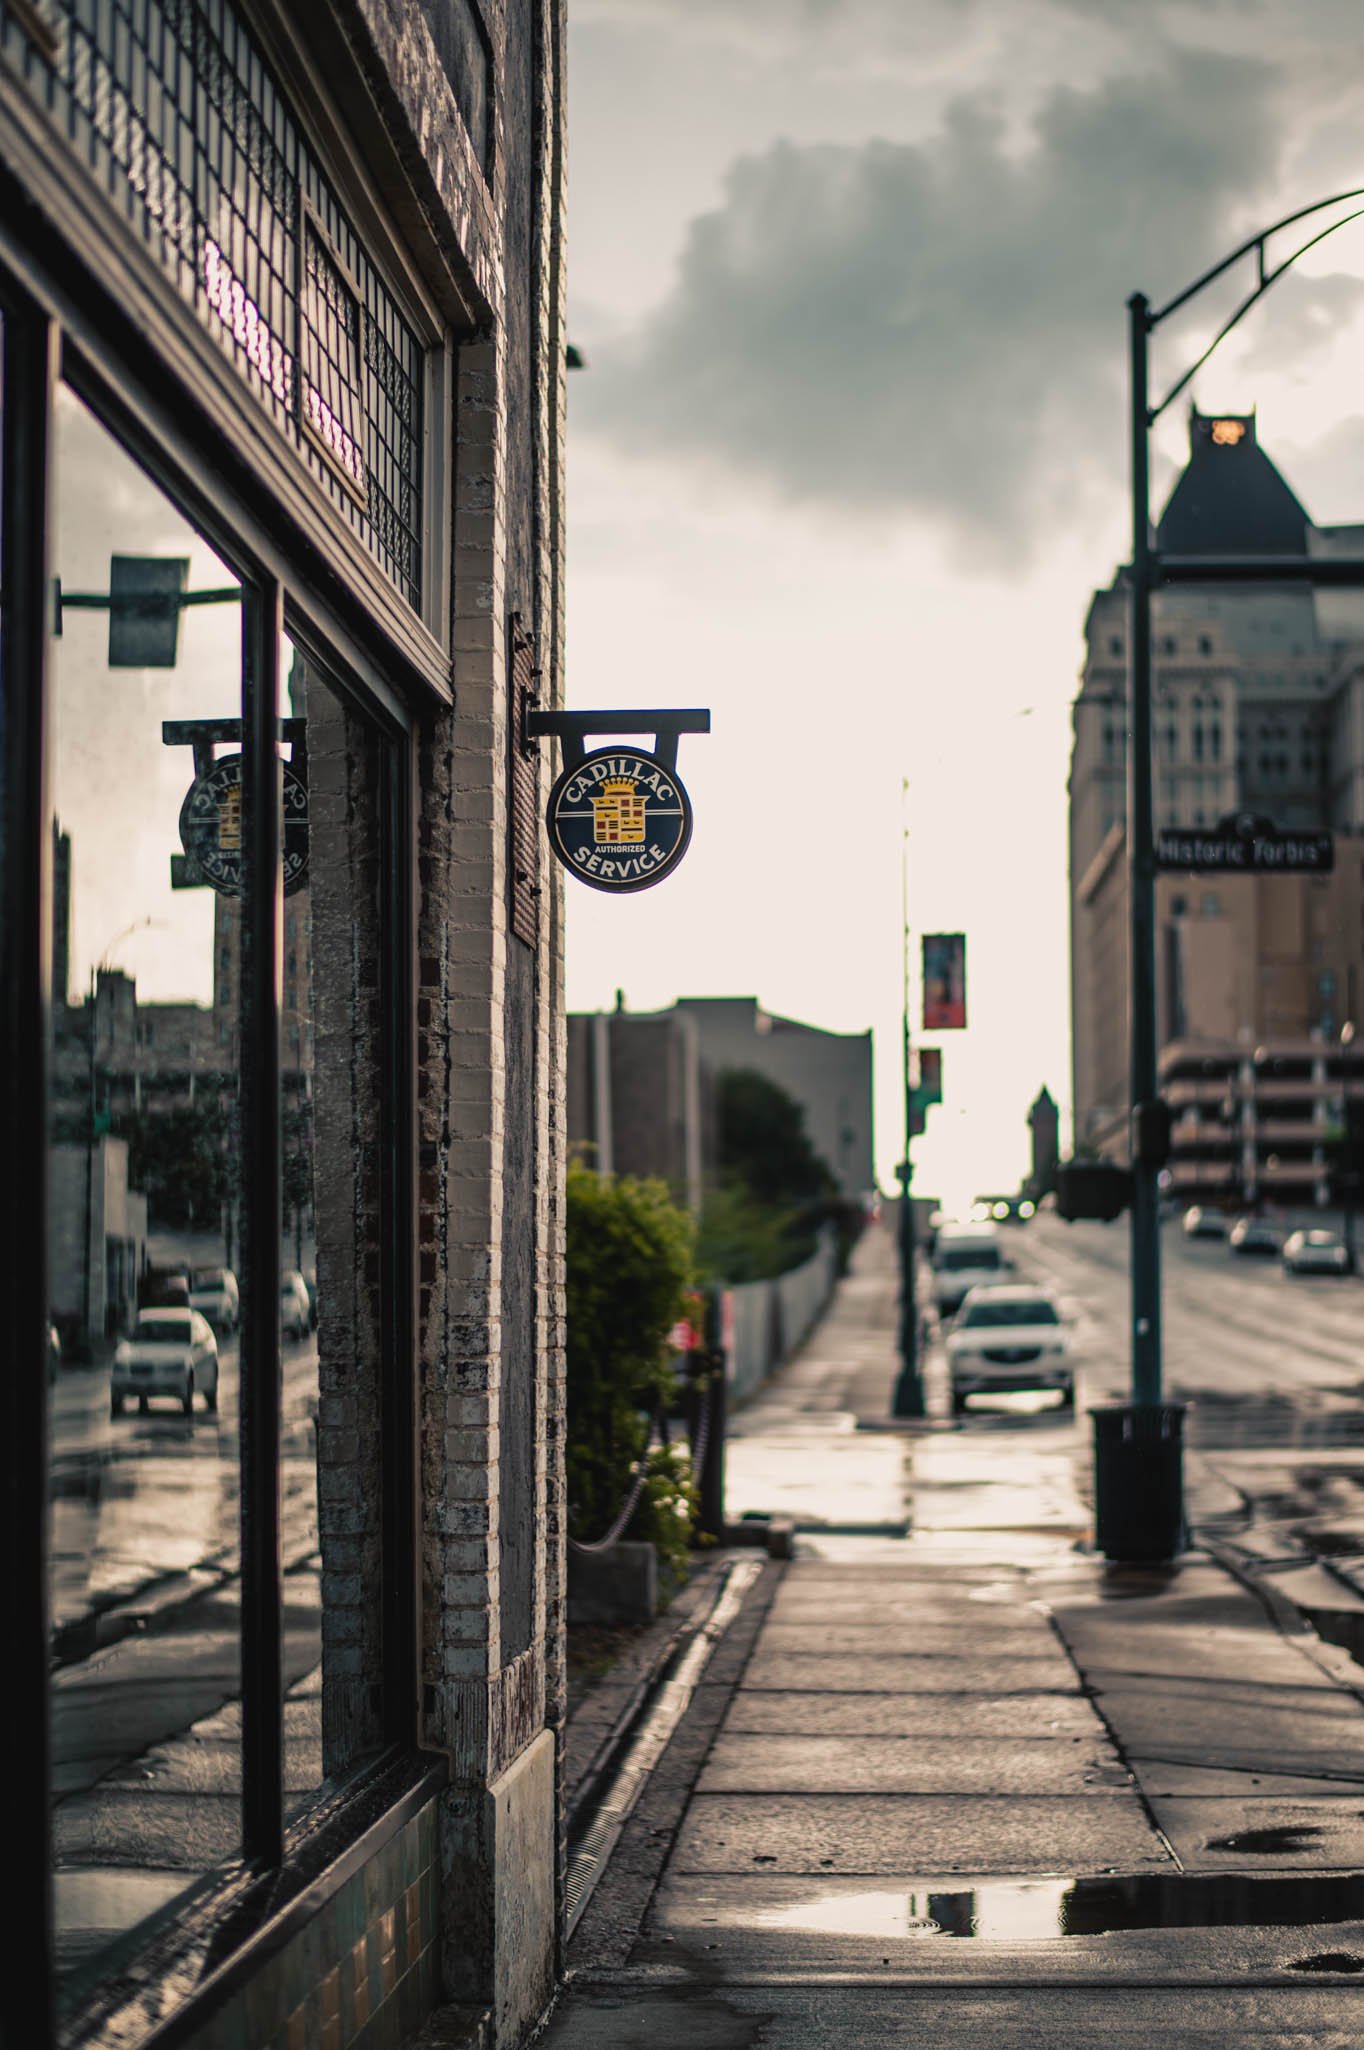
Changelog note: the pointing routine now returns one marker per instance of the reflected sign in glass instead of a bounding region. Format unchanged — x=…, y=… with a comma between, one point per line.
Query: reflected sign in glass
x=944, y=972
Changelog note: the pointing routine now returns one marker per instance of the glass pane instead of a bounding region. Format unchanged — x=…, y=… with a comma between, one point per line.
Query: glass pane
x=331, y=1125
x=145, y=1216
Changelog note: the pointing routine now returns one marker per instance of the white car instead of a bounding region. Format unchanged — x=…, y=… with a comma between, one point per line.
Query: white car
x=1201, y=1223
x=1009, y=1336
x=213, y=1293
x=295, y=1311
x=169, y=1351
x=964, y=1255
x=1315, y=1252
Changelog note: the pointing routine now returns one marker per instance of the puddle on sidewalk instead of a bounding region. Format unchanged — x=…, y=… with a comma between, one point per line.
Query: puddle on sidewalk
x=1041, y=1910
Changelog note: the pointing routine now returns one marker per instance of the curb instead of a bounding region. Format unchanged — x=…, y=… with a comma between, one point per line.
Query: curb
x=605, y=1798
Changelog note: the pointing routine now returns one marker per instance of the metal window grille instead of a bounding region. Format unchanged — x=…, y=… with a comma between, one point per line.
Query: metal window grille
x=178, y=119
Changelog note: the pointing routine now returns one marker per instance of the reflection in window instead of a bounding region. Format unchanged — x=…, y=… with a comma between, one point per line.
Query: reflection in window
x=144, y=1215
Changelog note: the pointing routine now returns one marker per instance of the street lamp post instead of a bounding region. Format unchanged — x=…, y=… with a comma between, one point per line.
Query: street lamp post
x=1138, y=1479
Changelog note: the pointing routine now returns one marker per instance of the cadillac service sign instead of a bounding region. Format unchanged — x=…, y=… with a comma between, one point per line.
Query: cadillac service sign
x=619, y=820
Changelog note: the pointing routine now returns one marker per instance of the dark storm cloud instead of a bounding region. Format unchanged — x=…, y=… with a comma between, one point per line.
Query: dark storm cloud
x=937, y=328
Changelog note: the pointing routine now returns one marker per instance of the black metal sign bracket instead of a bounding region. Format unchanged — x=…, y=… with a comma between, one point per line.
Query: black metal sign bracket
x=573, y=729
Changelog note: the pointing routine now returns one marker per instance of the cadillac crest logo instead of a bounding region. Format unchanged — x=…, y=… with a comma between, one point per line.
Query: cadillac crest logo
x=211, y=827
x=619, y=820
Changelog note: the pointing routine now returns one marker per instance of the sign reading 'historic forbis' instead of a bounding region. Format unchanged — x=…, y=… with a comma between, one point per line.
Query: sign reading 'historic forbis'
x=619, y=820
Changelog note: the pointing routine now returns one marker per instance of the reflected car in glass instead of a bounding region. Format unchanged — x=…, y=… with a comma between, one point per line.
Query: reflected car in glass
x=1255, y=1236
x=168, y=1352
x=1315, y=1252
x=1198, y=1222
x=1009, y=1336
x=295, y=1311
x=214, y=1294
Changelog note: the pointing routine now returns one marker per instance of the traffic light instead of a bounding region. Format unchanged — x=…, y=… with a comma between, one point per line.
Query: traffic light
x=1097, y=1189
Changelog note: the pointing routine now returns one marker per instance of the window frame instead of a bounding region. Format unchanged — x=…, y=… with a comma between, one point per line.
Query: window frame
x=51, y=335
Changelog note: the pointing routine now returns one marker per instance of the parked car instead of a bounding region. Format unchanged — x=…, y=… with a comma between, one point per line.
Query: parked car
x=1255, y=1235
x=214, y=1294
x=170, y=1351
x=1009, y=1335
x=295, y=1317
x=964, y=1255
x=1201, y=1223
x=1315, y=1252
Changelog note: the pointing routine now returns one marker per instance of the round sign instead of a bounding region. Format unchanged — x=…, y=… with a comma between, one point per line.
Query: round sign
x=619, y=820
x=211, y=826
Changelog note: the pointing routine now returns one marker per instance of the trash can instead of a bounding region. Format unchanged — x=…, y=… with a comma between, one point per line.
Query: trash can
x=1139, y=1480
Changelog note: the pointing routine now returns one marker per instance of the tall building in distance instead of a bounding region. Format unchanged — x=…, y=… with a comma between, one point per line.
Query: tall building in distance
x=1257, y=707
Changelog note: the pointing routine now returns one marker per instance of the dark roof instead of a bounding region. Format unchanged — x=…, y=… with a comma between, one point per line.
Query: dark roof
x=1230, y=500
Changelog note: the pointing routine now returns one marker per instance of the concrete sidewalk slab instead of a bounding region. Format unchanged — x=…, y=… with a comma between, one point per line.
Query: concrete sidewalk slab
x=1101, y=1830
x=1038, y=1712
x=1318, y=1832
x=818, y=2015
x=912, y=1765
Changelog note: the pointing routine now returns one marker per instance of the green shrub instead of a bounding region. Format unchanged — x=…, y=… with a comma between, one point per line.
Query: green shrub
x=629, y=1262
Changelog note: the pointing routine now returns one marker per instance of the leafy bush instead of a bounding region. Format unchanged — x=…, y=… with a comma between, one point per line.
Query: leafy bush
x=629, y=1262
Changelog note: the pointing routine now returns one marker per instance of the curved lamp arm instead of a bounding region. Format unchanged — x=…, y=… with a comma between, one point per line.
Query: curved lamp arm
x=1265, y=279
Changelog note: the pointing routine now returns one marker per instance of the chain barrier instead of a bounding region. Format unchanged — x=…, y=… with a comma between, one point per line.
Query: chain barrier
x=658, y=1434
x=701, y=1441
x=627, y=1508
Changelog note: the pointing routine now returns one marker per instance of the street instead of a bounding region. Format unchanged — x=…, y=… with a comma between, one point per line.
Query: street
x=954, y=1775
x=140, y=1498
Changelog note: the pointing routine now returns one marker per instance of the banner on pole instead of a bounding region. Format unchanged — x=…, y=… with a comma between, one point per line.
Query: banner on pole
x=944, y=976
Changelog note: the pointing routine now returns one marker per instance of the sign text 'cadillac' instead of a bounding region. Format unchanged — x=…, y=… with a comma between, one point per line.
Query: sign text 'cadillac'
x=619, y=820
x=1246, y=842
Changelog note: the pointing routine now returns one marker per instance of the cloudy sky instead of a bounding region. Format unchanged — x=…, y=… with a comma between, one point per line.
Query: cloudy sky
x=849, y=458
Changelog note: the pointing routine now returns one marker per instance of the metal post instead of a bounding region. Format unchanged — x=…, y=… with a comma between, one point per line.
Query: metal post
x=908, y=1398
x=1142, y=884
x=1138, y=1472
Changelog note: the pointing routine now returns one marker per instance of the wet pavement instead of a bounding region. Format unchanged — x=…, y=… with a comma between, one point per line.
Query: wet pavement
x=972, y=1784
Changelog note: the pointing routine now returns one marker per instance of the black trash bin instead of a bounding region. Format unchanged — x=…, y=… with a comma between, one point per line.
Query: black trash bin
x=1139, y=1480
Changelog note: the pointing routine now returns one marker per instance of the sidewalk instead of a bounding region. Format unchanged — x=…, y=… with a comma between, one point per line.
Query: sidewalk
x=972, y=1785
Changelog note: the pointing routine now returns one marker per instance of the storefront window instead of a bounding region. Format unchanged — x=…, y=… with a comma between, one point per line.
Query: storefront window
x=201, y=1689
x=144, y=1200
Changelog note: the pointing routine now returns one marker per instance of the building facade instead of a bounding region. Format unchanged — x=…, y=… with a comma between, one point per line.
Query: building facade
x=640, y=1101
x=641, y=1092
x=281, y=399
x=1256, y=708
